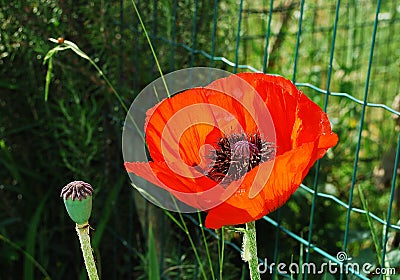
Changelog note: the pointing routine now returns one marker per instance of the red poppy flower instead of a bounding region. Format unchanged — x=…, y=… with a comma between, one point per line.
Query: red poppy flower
x=212, y=148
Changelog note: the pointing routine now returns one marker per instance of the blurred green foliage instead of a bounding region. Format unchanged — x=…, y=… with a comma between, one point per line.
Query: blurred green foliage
x=76, y=133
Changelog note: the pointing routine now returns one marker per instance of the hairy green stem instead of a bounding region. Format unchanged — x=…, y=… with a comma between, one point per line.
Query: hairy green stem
x=250, y=250
x=84, y=239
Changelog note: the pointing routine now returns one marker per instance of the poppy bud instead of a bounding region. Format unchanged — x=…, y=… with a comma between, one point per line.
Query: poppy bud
x=77, y=197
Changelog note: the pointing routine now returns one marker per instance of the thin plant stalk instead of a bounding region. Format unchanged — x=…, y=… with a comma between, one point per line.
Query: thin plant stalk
x=84, y=239
x=206, y=246
x=250, y=250
x=151, y=46
x=221, y=248
x=186, y=230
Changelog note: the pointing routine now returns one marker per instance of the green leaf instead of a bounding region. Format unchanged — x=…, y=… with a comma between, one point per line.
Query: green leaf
x=375, y=238
x=48, y=78
x=77, y=50
x=153, y=269
x=31, y=239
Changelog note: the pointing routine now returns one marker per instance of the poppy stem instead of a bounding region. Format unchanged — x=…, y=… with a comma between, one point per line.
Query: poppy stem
x=250, y=250
x=84, y=239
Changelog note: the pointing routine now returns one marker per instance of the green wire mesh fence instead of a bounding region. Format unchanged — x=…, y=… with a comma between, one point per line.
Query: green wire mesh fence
x=342, y=54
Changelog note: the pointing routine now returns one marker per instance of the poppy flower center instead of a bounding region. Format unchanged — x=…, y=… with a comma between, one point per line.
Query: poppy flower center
x=237, y=154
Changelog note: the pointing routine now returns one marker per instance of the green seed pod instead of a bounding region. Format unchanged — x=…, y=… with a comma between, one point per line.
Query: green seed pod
x=77, y=197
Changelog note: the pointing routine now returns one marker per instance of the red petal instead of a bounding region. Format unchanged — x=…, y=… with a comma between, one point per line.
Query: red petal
x=178, y=127
x=280, y=97
x=288, y=172
x=189, y=186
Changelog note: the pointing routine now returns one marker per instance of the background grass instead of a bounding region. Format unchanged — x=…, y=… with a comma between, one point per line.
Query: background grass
x=76, y=133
